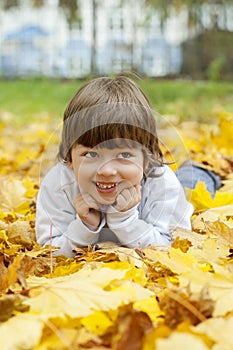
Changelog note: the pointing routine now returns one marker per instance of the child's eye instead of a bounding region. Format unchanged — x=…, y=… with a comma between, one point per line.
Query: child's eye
x=125, y=155
x=91, y=154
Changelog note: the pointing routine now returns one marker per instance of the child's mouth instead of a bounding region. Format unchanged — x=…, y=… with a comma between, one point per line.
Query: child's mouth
x=106, y=187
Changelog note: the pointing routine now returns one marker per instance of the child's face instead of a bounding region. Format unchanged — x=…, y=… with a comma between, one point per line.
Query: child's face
x=105, y=172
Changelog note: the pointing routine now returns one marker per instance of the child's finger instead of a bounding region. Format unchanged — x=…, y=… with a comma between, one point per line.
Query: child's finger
x=89, y=201
x=83, y=204
x=128, y=198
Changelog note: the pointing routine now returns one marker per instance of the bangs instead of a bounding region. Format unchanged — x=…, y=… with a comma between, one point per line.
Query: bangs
x=114, y=136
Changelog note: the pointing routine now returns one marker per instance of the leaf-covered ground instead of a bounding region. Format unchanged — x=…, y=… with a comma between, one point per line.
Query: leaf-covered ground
x=109, y=297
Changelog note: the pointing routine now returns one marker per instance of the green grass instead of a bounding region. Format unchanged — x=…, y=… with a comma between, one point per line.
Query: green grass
x=26, y=99
x=189, y=99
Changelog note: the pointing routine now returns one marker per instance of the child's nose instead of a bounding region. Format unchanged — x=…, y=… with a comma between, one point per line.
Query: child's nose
x=107, y=169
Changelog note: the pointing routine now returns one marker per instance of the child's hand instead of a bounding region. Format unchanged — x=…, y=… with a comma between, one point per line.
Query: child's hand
x=88, y=210
x=128, y=198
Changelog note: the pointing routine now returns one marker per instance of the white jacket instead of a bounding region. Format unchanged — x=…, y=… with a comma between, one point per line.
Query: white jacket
x=163, y=205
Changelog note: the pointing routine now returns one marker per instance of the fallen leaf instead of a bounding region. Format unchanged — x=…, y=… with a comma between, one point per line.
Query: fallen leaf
x=219, y=330
x=9, y=304
x=20, y=232
x=201, y=198
x=81, y=293
x=12, y=194
x=222, y=231
x=181, y=341
x=132, y=325
x=221, y=213
x=22, y=339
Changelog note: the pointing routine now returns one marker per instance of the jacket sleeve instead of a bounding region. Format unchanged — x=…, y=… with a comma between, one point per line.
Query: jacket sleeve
x=162, y=207
x=57, y=216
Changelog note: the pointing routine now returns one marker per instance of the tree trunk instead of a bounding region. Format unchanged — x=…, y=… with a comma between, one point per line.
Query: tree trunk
x=93, y=45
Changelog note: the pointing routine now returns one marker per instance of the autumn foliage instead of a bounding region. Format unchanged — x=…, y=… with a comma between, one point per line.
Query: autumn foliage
x=111, y=297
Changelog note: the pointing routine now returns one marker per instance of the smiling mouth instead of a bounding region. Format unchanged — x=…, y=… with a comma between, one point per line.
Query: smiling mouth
x=106, y=186
x=109, y=187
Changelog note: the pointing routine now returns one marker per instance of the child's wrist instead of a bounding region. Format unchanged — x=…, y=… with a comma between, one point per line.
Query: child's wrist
x=115, y=216
x=91, y=227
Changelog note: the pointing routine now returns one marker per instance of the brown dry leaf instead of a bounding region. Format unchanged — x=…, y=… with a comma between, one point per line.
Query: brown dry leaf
x=16, y=272
x=100, y=252
x=39, y=251
x=107, y=252
x=27, y=268
x=132, y=325
x=3, y=272
x=126, y=332
x=180, y=305
x=9, y=304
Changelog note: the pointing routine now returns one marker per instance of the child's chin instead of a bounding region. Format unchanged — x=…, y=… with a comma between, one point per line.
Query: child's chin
x=106, y=201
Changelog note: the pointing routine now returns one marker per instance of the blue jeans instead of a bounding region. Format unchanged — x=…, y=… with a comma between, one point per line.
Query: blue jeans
x=191, y=174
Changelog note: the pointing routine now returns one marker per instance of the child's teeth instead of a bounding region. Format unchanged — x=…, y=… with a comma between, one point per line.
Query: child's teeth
x=105, y=186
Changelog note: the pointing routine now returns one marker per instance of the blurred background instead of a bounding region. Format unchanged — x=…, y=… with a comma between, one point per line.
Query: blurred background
x=81, y=38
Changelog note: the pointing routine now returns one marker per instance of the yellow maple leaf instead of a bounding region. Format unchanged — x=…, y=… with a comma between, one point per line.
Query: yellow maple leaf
x=224, y=139
x=19, y=232
x=219, y=330
x=222, y=230
x=61, y=339
x=224, y=304
x=222, y=213
x=181, y=341
x=219, y=284
x=150, y=306
x=98, y=322
x=182, y=234
x=12, y=196
x=177, y=261
x=211, y=252
x=201, y=198
x=31, y=188
x=81, y=293
x=15, y=334
x=25, y=155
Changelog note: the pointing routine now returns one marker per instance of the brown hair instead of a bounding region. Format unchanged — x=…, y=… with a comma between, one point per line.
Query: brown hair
x=108, y=108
